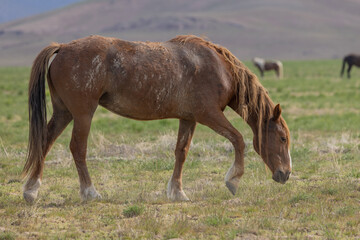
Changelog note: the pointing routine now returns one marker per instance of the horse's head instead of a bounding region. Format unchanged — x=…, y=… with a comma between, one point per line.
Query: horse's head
x=275, y=146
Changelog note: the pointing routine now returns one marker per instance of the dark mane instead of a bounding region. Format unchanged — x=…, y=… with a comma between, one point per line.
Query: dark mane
x=253, y=98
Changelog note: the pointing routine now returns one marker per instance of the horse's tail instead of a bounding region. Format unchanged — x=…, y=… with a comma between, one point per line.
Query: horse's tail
x=343, y=67
x=37, y=111
x=281, y=69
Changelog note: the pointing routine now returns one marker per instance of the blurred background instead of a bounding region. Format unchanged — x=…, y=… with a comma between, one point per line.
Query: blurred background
x=276, y=29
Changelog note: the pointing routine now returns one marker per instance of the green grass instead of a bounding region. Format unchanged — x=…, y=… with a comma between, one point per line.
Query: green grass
x=7, y=236
x=131, y=162
x=133, y=211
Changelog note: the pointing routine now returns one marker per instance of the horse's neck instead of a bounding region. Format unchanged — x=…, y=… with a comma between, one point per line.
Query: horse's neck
x=260, y=62
x=257, y=116
x=253, y=102
x=253, y=122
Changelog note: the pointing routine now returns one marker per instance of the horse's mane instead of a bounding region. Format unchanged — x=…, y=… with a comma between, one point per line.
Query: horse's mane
x=253, y=98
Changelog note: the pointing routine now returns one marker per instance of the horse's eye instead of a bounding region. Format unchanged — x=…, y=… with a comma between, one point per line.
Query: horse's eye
x=283, y=139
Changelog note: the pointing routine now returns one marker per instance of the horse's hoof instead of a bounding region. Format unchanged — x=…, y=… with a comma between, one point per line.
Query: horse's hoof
x=89, y=194
x=31, y=189
x=232, y=187
x=30, y=196
x=179, y=196
x=92, y=197
x=175, y=193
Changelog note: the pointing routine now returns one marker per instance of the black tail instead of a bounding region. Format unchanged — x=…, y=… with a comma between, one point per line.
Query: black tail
x=37, y=111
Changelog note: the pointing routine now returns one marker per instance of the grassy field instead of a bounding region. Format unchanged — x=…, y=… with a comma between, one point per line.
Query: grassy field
x=130, y=163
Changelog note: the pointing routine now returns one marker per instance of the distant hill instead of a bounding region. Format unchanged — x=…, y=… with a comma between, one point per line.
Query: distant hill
x=14, y=9
x=280, y=29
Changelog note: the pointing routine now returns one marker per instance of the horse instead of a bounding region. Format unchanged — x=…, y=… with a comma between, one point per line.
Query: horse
x=351, y=59
x=268, y=65
x=187, y=78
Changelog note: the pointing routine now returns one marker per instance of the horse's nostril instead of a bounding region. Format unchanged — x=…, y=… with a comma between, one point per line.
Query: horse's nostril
x=280, y=176
x=287, y=175
x=284, y=176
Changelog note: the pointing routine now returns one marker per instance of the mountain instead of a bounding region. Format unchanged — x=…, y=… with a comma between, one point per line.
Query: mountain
x=12, y=10
x=280, y=29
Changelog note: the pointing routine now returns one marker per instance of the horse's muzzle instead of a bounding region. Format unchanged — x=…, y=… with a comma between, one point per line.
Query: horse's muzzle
x=280, y=176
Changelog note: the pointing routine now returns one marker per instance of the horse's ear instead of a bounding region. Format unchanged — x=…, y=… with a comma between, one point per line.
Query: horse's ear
x=277, y=112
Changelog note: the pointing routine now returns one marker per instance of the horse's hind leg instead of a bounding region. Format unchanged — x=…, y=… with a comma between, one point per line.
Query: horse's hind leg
x=218, y=122
x=78, y=147
x=59, y=120
x=186, y=131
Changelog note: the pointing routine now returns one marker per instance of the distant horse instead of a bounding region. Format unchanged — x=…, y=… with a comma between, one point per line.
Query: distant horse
x=351, y=59
x=268, y=65
x=186, y=78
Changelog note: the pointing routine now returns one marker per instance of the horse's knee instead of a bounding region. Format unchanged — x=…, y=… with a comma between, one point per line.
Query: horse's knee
x=181, y=151
x=72, y=146
x=240, y=143
x=76, y=149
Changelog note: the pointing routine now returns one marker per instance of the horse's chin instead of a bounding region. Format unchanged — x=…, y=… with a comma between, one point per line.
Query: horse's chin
x=278, y=181
x=281, y=176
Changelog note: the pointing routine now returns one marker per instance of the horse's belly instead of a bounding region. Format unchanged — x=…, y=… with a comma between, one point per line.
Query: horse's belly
x=140, y=108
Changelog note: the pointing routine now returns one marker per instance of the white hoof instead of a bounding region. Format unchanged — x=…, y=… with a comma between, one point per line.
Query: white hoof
x=89, y=193
x=31, y=189
x=30, y=196
x=232, y=187
x=175, y=193
x=232, y=179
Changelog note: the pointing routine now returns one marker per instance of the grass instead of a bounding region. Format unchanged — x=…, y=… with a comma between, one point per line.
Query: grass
x=133, y=211
x=131, y=161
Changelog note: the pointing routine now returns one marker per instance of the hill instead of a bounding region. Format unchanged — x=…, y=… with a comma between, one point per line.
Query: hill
x=281, y=29
x=12, y=10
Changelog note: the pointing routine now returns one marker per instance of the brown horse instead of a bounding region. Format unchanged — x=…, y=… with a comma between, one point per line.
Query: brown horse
x=186, y=78
x=268, y=65
x=351, y=59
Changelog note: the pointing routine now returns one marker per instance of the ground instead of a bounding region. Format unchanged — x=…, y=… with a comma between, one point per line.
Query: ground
x=131, y=162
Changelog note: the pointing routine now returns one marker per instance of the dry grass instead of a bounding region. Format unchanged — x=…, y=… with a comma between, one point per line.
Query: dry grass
x=320, y=201
x=130, y=163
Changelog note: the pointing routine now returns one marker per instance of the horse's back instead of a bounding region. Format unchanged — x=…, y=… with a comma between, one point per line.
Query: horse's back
x=270, y=65
x=141, y=80
x=353, y=59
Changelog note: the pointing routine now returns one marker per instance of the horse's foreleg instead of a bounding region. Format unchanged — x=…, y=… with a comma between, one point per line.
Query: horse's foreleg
x=218, y=122
x=56, y=125
x=78, y=147
x=277, y=71
x=348, y=70
x=186, y=131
